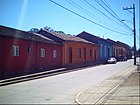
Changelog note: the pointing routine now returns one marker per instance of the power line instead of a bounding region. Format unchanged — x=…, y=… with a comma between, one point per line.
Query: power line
x=110, y=9
x=84, y=10
x=86, y=18
x=106, y=4
x=79, y=7
x=71, y=2
x=101, y=12
x=98, y=10
x=113, y=15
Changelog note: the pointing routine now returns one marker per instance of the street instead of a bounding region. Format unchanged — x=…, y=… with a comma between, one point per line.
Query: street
x=61, y=88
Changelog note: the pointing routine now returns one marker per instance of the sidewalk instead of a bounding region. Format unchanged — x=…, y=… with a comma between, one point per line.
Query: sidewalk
x=122, y=88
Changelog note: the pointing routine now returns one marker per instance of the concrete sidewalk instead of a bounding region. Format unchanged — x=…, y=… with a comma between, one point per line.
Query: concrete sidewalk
x=122, y=88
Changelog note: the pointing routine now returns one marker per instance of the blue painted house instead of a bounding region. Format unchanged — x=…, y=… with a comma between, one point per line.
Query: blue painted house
x=105, y=47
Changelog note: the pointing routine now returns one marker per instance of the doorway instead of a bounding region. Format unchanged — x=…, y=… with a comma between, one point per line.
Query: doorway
x=95, y=55
x=70, y=54
x=85, y=53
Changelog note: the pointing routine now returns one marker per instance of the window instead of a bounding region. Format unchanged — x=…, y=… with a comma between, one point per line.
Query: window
x=54, y=53
x=105, y=51
x=15, y=51
x=101, y=51
x=79, y=52
x=29, y=49
x=42, y=52
x=90, y=53
x=110, y=51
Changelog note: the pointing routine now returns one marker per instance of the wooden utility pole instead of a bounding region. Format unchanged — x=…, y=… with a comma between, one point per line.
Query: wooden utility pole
x=134, y=31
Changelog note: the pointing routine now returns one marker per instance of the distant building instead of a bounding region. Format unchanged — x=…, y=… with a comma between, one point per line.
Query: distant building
x=75, y=50
x=105, y=47
x=127, y=49
x=120, y=49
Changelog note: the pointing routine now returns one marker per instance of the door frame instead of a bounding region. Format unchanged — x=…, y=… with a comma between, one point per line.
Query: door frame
x=85, y=54
x=70, y=55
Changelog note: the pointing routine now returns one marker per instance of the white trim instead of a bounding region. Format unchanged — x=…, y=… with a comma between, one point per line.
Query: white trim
x=42, y=52
x=15, y=50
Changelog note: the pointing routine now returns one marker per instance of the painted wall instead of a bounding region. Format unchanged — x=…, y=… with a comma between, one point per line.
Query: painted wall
x=66, y=53
x=22, y=63
x=106, y=51
x=27, y=61
x=48, y=61
x=103, y=53
x=1, y=56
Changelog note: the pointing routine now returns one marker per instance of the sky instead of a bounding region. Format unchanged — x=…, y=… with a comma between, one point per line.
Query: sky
x=74, y=16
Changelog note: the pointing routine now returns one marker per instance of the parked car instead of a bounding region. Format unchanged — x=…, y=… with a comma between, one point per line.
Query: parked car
x=122, y=58
x=111, y=60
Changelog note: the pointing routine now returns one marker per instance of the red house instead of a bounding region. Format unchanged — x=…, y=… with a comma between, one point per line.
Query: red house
x=75, y=50
x=23, y=52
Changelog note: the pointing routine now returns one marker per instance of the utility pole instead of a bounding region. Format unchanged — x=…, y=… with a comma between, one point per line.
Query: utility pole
x=134, y=31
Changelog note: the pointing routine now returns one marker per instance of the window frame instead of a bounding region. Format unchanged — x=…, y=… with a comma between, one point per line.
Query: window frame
x=101, y=51
x=15, y=50
x=90, y=53
x=79, y=53
x=29, y=49
x=42, y=52
x=105, y=51
x=54, y=53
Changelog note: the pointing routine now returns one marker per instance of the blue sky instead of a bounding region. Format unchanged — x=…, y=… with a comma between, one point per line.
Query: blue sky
x=27, y=14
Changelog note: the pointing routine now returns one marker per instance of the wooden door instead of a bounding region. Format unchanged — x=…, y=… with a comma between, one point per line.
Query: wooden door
x=70, y=54
x=85, y=54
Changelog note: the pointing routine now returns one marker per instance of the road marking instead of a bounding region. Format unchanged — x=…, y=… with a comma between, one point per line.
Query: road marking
x=77, y=96
x=126, y=72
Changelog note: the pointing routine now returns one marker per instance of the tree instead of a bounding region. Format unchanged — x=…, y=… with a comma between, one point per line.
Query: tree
x=34, y=30
x=48, y=29
x=61, y=32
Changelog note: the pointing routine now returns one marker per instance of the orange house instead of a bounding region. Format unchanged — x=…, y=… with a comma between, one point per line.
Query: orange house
x=74, y=50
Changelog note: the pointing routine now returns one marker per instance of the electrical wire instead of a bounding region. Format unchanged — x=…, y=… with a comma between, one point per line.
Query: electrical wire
x=103, y=13
x=86, y=18
x=113, y=15
x=106, y=4
x=71, y=2
x=85, y=11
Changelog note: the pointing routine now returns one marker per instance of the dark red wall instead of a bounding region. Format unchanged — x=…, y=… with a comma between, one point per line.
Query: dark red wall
x=1, y=56
x=22, y=63
x=26, y=61
x=48, y=61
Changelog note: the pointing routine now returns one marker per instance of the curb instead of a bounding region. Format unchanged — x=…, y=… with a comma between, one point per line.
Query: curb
x=103, y=98
x=42, y=74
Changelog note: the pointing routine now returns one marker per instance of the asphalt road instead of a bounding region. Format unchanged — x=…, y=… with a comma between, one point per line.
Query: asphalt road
x=60, y=88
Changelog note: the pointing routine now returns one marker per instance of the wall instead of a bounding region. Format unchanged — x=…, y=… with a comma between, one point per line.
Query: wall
x=27, y=61
x=22, y=63
x=75, y=58
x=48, y=61
x=1, y=56
x=106, y=51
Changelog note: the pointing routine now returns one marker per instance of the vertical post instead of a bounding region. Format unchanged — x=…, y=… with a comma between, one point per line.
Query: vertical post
x=134, y=34
x=134, y=31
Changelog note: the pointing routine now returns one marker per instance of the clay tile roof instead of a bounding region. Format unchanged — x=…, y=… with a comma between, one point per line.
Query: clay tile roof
x=66, y=37
x=15, y=33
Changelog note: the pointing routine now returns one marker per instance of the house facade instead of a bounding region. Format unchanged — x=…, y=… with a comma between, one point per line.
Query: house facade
x=120, y=49
x=23, y=52
x=105, y=47
x=127, y=51
x=75, y=50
